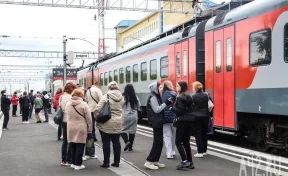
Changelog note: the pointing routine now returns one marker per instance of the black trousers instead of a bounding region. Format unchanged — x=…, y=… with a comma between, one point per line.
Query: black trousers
x=77, y=150
x=115, y=138
x=14, y=109
x=66, y=149
x=25, y=114
x=59, y=130
x=201, y=129
x=127, y=139
x=31, y=111
x=157, y=146
x=93, y=126
x=6, y=118
x=183, y=140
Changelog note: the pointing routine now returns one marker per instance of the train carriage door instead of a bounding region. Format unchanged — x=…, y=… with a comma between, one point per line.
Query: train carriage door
x=184, y=64
x=178, y=63
x=229, y=78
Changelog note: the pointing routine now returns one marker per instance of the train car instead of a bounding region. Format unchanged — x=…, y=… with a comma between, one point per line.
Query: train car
x=241, y=58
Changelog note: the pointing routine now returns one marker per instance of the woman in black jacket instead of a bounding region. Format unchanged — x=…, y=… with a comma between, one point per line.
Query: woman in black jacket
x=25, y=106
x=183, y=110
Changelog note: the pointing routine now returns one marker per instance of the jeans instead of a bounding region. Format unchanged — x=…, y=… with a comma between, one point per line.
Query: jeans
x=169, y=138
x=46, y=114
x=6, y=118
x=201, y=129
x=157, y=145
x=183, y=140
x=93, y=126
x=77, y=150
x=59, y=130
x=31, y=111
x=25, y=114
x=106, y=138
x=14, y=110
x=66, y=149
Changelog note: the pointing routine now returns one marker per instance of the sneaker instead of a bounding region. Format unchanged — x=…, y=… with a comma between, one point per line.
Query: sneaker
x=198, y=155
x=150, y=165
x=205, y=154
x=84, y=158
x=170, y=157
x=182, y=165
x=68, y=164
x=4, y=129
x=159, y=165
x=127, y=146
x=27, y=122
x=174, y=153
x=191, y=166
x=91, y=157
x=63, y=163
x=79, y=167
x=72, y=166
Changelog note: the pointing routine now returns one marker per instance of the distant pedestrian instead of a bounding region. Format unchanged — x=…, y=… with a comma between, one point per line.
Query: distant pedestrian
x=25, y=106
x=46, y=106
x=31, y=96
x=14, y=104
x=56, y=102
x=38, y=107
x=5, y=108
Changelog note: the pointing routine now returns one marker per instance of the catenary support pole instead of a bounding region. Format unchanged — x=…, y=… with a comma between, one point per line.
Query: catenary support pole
x=64, y=61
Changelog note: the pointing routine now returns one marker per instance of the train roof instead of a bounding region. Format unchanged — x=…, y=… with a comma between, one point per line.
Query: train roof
x=249, y=10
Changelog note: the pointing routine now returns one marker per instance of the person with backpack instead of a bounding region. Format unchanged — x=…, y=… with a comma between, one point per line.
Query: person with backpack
x=155, y=111
x=32, y=98
x=46, y=105
x=25, y=106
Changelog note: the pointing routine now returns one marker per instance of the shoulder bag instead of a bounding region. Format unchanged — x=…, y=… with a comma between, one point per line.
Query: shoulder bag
x=92, y=96
x=105, y=113
x=58, y=118
x=210, y=104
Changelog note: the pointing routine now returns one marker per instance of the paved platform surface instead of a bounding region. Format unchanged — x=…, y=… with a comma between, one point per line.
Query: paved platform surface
x=32, y=150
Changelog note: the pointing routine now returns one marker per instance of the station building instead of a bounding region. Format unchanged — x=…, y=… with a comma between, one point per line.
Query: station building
x=130, y=33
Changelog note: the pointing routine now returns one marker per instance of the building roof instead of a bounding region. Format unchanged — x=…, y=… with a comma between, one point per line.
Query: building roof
x=126, y=23
x=207, y=3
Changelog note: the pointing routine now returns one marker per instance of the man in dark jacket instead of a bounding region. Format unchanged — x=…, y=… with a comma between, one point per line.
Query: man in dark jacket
x=46, y=105
x=31, y=97
x=5, y=108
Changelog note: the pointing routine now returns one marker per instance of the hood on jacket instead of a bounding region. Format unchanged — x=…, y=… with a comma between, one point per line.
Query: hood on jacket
x=46, y=96
x=154, y=88
x=76, y=101
x=115, y=95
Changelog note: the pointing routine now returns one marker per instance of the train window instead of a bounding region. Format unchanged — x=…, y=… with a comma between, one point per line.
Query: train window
x=105, y=79
x=144, y=71
x=135, y=73
x=218, y=56
x=164, y=67
x=101, y=79
x=153, y=69
x=121, y=75
x=110, y=76
x=116, y=75
x=260, y=48
x=286, y=43
x=185, y=63
x=178, y=65
x=128, y=74
x=229, y=54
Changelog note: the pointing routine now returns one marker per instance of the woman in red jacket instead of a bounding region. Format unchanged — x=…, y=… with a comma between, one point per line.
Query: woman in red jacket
x=56, y=106
x=14, y=104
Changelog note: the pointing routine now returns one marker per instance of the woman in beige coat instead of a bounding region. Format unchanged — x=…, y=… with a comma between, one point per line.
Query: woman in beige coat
x=110, y=131
x=79, y=125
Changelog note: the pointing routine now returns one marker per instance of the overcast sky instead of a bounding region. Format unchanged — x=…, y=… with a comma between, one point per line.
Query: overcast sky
x=46, y=22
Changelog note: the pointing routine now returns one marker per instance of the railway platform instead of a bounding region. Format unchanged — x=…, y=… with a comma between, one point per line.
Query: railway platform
x=32, y=150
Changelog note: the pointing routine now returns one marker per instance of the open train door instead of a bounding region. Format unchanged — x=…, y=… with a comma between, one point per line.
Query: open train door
x=224, y=78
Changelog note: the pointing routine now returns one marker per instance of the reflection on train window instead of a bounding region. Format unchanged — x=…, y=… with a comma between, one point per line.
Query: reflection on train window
x=164, y=67
x=110, y=76
x=121, y=75
x=260, y=48
x=185, y=63
x=135, y=73
x=153, y=69
x=218, y=56
x=116, y=75
x=178, y=65
x=286, y=43
x=105, y=78
x=101, y=79
x=128, y=74
x=144, y=71
x=229, y=54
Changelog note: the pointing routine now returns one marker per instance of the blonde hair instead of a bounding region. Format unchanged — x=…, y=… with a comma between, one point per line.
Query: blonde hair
x=113, y=86
x=197, y=86
x=78, y=93
x=168, y=84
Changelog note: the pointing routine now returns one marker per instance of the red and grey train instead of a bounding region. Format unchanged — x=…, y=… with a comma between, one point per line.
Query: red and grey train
x=241, y=57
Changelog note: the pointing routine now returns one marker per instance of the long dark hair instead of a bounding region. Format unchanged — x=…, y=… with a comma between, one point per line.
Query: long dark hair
x=183, y=85
x=130, y=96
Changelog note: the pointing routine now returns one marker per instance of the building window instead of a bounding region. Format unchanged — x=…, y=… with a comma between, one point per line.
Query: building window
x=135, y=73
x=185, y=63
x=178, y=65
x=164, y=67
x=116, y=75
x=144, y=71
x=218, y=56
x=260, y=48
x=105, y=78
x=101, y=79
x=229, y=54
x=153, y=69
x=128, y=74
x=110, y=76
x=286, y=43
x=121, y=75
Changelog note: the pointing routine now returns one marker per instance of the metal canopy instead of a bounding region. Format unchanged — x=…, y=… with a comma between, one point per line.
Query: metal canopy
x=45, y=54
x=23, y=73
x=128, y=5
x=27, y=67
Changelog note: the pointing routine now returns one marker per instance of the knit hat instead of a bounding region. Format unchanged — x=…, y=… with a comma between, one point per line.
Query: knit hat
x=113, y=85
